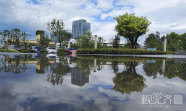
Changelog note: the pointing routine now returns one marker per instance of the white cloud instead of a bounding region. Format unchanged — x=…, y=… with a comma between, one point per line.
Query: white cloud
x=105, y=4
x=165, y=15
x=117, y=11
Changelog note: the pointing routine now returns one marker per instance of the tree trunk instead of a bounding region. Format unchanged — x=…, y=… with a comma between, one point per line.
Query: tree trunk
x=133, y=42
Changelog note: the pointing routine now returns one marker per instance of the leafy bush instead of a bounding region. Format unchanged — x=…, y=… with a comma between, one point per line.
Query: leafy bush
x=62, y=52
x=25, y=51
x=120, y=51
x=7, y=50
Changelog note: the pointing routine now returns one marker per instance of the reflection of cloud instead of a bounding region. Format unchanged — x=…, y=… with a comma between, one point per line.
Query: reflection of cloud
x=32, y=92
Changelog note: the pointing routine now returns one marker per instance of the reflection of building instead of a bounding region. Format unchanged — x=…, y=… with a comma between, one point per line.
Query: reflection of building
x=78, y=78
x=79, y=28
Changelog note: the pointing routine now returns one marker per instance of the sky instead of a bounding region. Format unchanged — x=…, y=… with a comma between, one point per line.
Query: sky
x=31, y=15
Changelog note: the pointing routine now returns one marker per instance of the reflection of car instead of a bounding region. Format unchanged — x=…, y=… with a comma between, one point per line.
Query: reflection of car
x=35, y=49
x=71, y=51
x=36, y=56
x=51, y=56
x=13, y=56
x=51, y=50
x=13, y=47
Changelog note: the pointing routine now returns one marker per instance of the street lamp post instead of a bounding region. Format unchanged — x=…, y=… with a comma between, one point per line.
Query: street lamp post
x=165, y=44
x=95, y=42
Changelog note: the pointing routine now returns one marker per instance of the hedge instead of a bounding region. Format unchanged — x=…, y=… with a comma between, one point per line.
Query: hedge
x=7, y=50
x=25, y=51
x=121, y=51
x=62, y=52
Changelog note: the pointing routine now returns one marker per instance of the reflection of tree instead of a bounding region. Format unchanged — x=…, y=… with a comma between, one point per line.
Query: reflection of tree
x=42, y=64
x=115, y=66
x=87, y=65
x=152, y=69
x=15, y=65
x=58, y=70
x=128, y=80
x=175, y=69
x=172, y=69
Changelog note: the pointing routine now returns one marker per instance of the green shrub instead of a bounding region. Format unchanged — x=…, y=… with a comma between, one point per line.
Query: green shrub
x=25, y=51
x=120, y=51
x=61, y=52
x=7, y=50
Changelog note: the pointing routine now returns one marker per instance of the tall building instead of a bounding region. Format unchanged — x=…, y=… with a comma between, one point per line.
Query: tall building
x=79, y=28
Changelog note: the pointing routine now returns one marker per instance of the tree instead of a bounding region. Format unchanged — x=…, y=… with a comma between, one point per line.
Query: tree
x=173, y=42
x=116, y=42
x=14, y=36
x=24, y=38
x=128, y=45
x=86, y=41
x=44, y=42
x=100, y=42
x=5, y=36
x=154, y=41
x=183, y=39
x=131, y=27
x=57, y=31
x=75, y=45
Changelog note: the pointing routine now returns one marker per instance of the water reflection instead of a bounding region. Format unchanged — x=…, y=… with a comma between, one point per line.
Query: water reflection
x=169, y=69
x=80, y=68
x=128, y=80
x=57, y=71
x=78, y=78
x=153, y=68
x=86, y=82
x=15, y=64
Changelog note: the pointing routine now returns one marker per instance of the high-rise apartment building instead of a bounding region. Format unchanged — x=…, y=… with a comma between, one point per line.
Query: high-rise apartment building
x=79, y=28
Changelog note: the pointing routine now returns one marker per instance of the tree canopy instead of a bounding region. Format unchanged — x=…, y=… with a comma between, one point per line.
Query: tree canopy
x=131, y=27
x=58, y=33
x=44, y=42
x=174, y=41
x=14, y=36
x=154, y=41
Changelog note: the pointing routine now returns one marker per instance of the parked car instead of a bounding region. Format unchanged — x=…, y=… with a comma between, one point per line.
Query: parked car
x=51, y=50
x=13, y=47
x=35, y=49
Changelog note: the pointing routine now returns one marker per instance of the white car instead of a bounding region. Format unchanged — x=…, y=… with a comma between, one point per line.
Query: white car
x=51, y=50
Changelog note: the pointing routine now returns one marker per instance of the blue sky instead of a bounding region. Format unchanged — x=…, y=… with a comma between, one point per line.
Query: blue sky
x=31, y=15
